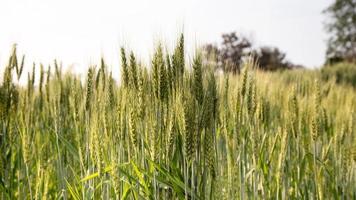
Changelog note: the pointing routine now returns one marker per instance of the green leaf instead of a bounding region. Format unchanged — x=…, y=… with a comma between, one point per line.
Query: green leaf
x=96, y=174
x=127, y=190
x=73, y=191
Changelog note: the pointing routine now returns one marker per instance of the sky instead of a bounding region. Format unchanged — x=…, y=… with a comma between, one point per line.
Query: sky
x=79, y=32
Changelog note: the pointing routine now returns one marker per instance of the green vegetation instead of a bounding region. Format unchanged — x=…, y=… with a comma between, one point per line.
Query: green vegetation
x=343, y=73
x=340, y=24
x=175, y=131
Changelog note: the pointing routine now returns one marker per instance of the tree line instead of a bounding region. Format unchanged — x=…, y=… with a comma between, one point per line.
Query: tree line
x=340, y=24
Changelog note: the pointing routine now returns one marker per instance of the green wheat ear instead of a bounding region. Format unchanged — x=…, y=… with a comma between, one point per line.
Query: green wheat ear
x=3, y=100
x=132, y=126
x=41, y=78
x=315, y=121
x=133, y=71
x=13, y=63
x=172, y=130
x=163, y=85
x=294, y=111
x=210, y=114
x=89, y=94
x=178, y=62
x=124, y=66
x=282, y=154
x=141, y=95
x=41, y=85
x=169, y=73
x=157, y=65
x=48, y=84
x=97, y=79
x=58, y=70
x=181, y=54
x=111, y=92
x=190, y=128
x=251, y=97
x=244, y=80
x=19, y=73
x=198, y=89
x=100, y=79
x=33, y=77
x=7, y=79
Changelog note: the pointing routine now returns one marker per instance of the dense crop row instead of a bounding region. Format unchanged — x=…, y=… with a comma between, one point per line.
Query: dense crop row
x=175, y=131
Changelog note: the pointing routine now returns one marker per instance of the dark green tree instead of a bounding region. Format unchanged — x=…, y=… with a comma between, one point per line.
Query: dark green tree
x=341, y=26
x=270, y=58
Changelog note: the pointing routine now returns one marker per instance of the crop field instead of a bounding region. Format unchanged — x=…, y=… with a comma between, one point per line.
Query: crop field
x=175, y=129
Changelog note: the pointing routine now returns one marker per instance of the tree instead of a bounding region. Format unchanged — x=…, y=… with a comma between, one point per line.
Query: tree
x=342, y=29
x=229, y=56
x=270, y=58
x=233, y=50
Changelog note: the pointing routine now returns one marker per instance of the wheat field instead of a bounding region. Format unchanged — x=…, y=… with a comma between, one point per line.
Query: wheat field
x=173, y=130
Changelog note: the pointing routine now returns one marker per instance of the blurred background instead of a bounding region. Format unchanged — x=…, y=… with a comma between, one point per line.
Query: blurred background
x=282, y=34
x=80, y=31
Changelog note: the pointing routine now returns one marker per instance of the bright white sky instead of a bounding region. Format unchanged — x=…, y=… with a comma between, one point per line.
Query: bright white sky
x=80, y=31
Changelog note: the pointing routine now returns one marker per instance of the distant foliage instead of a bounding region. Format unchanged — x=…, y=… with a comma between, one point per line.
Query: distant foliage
x=341, y=25
x=271, y=59
x=344, y=73
x=230, y=54
x=234, y=50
